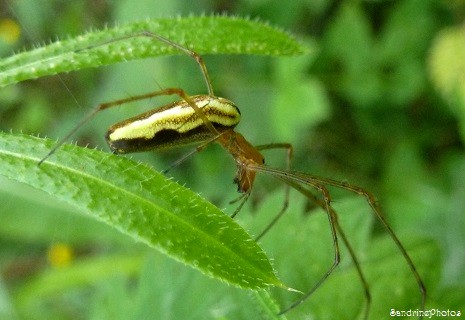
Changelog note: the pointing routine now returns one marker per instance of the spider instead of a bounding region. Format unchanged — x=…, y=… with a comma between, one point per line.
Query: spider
x=206, y=119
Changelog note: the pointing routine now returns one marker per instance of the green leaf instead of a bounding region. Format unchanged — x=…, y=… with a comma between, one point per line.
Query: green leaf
x=447, y=70
x=205, y=35
x=268, y=307
x=143, y=204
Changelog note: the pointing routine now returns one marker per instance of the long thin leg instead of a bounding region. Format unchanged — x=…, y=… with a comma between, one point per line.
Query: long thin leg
x=153, y=35
x=191, y=153
x=332, y=217
x=375, y=207
x=352, y=254
x=243, y=199
x=366, y=289
x=311, y=180
x=289, y=152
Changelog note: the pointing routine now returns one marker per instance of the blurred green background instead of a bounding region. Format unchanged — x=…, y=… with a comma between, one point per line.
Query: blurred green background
x=379, y=102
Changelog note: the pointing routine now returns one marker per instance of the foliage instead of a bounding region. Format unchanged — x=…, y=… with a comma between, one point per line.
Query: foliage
x=378, y=103
x=154, y=211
